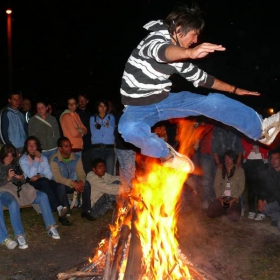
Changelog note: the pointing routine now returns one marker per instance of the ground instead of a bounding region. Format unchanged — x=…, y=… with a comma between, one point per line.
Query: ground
x=246, y=250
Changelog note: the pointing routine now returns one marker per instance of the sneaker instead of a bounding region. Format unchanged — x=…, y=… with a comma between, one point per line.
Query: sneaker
x=251, y=215
x=87, y=216
x=270, y=129
x=64, y=221
x=259, y=217
x=10, y=244
x=21, y=242
x=53, y=233
x=178, y=161
x=62, y=211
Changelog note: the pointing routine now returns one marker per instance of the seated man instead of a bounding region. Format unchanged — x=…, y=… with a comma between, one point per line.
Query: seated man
x=67, y=169
x=269, y=195
x=104, y=188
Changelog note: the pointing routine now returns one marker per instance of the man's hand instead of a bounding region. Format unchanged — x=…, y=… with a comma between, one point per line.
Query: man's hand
x=78, y=186
x=204, y=49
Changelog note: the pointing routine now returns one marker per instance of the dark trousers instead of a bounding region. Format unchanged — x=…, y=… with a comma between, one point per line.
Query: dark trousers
x=54, y=191
x=216, y=209
x=85, y=196
x=101, y=206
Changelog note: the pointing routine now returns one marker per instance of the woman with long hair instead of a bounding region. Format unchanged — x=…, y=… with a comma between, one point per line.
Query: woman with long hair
x=15, y=192
x=229, y=185
x=37, y=172
x=45, y=127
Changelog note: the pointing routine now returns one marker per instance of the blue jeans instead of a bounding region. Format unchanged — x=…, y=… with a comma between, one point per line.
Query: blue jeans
x=43, y=201
x=107, y=154
x=48, y=154
x=136, y=122
x=272, y=210
x=101, y=206
x=127, y=167
x=8, y=200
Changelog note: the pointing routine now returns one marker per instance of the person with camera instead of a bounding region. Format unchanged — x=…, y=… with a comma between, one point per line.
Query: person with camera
x=102, y=127
x=37, y=172
x=15, y=192
x=229, y=185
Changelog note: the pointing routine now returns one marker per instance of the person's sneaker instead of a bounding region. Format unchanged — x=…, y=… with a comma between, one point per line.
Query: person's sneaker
x=64, y=221
x=21, y=242
x=10, y=244
x=270, y=129
x=62, y=211
x=178, y=161
x=251, y=215
x=259, y=217
x=53, y=233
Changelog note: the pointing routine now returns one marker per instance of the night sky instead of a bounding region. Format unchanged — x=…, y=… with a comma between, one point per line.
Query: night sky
x=62, y=48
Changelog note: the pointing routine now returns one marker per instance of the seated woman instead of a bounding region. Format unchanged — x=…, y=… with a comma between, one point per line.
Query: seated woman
x=37, y=172
x=229, y=186
x=14, y=191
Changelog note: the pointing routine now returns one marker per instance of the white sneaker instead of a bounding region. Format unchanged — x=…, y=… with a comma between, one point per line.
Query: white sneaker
x=270, y=129
x=10, y=244
x=259, y=217
x=62, y=211
x=251, y=215
x=178, y=161
x=53, y=233
x=21, y=242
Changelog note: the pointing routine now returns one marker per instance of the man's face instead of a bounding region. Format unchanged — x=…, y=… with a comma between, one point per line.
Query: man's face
x=65, y=149
x=275, y=161
x=26, y=105
x=99, y=170
x=187, y=40
x=15, y=101
x=82, y=102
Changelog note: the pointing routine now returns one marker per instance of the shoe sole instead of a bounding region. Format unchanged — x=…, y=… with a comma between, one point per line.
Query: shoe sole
x=23, y=246
x=268, y=139
x=191, y=165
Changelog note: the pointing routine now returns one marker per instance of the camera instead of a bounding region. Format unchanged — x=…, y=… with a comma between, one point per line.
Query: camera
x=18, y=170
x=97, y=125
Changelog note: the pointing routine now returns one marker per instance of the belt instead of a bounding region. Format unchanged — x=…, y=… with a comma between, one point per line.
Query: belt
x=102, y=146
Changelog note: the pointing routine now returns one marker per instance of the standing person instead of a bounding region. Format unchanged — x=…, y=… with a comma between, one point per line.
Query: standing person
x=37, y=172
x=25, y=108
x=102, y=127
x=67, y=170
x=13, y=125
x=229, y=186
x=85, y=115
x=14, y=190
x=145, y=88
x=72, y=126
x=45, y=127
x=255, y=161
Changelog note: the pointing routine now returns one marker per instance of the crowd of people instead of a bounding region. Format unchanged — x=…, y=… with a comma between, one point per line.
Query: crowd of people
x=44, y=157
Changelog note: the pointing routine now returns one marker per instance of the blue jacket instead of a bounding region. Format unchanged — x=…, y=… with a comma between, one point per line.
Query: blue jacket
x=13, y=127
x=66, y=172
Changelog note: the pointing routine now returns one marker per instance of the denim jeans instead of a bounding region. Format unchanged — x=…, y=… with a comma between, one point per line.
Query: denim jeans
x=272, y=210
x=53, y=190
x=43, y=201
x=136, y=122
x=101, y=206
x=86, y=204
x=107, y=154
x=8, y=200
x=127, y=167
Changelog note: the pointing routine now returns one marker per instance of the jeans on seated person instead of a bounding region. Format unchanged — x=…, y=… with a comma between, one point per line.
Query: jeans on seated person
x=8, y=200
x=101, y=206
x=85, y=197
x=272, y=210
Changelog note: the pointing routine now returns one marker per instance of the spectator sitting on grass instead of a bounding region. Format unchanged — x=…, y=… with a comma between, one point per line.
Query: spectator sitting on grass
x=104, y=188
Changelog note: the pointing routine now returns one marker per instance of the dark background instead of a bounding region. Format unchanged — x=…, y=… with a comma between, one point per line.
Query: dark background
x=62, y=48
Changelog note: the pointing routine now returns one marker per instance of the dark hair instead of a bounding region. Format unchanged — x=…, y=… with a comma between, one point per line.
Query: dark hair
x=72, y=97
x=5, y=150
x=274, y=151
x=60, y=140
x=187, y=17
x=43, y=102
x=14, y=93
x=231, y=154
x=83, y=95
x=101, y=100
x=37, y=141
x=96, y=161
